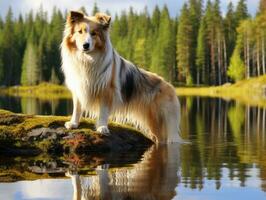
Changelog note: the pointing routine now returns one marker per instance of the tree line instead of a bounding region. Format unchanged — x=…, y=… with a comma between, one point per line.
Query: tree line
x=200, y=46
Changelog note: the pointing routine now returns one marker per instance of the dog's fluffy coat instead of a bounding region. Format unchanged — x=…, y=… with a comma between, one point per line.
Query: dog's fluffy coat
x=103, y=83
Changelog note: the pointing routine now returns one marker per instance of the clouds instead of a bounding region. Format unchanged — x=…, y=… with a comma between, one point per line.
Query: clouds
x=114, y=6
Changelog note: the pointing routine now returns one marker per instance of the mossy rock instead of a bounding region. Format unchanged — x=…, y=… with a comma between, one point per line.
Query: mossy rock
x=31, y=135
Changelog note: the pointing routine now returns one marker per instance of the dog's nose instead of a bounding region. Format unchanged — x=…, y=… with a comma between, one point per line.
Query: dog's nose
x=86, y=46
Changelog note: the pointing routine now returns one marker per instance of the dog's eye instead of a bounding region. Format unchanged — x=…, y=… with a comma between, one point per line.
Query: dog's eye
x=80, y=31
x=93, y=33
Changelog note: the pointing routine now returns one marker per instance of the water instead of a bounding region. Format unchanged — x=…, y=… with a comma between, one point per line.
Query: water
x=226, y=160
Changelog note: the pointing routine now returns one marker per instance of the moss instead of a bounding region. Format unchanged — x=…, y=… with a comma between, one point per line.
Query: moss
x=28, y=134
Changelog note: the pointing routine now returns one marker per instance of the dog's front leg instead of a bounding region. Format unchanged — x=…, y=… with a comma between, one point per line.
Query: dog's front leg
x=77, y=112
x=102, y=123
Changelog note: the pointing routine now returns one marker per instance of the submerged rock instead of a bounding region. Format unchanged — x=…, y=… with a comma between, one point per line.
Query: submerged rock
x=31, y=135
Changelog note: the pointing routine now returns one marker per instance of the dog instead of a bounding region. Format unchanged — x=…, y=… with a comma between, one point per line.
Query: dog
x=105, y=84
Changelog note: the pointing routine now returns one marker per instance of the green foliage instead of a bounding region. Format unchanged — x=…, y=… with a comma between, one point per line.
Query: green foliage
x=236, y=69
x=230, y=29
x=184, y=43
x=139, y=53
x=163, y=61
x=30, y=69
x=201, y=48
x=194, y=48
x=9, y=53
x=38, y=54
x=241, y=11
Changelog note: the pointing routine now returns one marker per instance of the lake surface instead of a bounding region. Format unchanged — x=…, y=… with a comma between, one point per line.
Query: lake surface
x=226, y=160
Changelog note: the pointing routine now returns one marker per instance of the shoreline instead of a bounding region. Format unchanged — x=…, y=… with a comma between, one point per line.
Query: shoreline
x=251, y=91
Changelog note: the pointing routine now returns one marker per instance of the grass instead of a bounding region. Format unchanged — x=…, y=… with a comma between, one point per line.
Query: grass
x=250, y=92
x=42, y=91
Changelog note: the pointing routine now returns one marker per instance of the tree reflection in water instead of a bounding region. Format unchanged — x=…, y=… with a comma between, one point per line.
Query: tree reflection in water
x=228, y=142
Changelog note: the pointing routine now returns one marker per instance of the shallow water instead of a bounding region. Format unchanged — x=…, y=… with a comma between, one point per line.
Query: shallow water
x=226, y=159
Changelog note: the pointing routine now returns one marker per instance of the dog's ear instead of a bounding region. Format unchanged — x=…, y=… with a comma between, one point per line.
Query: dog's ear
x=103, y=19
x=74, y=16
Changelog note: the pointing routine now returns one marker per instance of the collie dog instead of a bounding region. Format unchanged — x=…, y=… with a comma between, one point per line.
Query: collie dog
x=104, y=84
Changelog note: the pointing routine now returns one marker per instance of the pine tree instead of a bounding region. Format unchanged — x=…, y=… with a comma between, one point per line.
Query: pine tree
x=20, y=38
x=53, y=42
x=155, y=20
x=29, y=23
x=162, y=58
x=132, y=34
x=219, y=42
x=184, y=43
x=153, y=33
x=139, y=53
x=30, y=69
x=210, y=54
x=121, y=38
x=115, y=31
x=10, y=54
x=230, y=29
x=241, y=11
x=42, y=53
x=195, y=11
x=40, y=22
x=201, y=53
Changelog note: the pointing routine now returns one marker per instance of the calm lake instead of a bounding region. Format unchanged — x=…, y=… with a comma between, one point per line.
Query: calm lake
x=226, y=160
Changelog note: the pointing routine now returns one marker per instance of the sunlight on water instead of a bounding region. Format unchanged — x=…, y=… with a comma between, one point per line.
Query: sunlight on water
x=225, y=160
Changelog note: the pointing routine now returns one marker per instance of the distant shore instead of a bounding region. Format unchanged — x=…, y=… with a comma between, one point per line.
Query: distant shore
x=42, y=91
x=251, y=91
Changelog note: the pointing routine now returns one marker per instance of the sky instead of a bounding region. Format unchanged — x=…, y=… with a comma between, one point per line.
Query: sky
x=114, y=6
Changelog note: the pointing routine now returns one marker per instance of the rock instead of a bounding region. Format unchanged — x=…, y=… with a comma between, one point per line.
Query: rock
x=31, y=135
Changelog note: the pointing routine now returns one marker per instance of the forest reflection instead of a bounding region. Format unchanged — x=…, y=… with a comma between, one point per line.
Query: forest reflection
x=225, y=134
x=228, y=141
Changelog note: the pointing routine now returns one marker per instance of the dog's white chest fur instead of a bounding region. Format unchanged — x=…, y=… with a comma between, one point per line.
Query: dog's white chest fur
x=84, y=77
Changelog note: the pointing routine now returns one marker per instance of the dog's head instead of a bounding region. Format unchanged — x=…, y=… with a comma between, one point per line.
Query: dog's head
x=87, y=33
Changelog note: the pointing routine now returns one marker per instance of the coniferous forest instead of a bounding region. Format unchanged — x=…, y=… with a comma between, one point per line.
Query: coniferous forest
x=201, y=46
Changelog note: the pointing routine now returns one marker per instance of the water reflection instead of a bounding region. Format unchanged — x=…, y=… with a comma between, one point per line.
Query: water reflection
x=227, y=154
x=226, y=134
x=30, y=105
x=155, y=177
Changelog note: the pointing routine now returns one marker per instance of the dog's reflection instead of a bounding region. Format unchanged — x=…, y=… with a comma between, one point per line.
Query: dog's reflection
x=155, y=177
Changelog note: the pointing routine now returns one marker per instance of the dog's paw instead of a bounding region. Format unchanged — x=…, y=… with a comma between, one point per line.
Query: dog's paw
x=71, y=125
x=103, y=130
